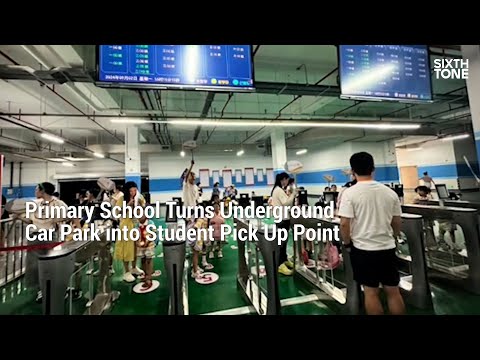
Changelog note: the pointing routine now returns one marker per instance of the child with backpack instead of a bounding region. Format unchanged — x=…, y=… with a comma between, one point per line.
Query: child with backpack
x=145, y=251
x=201, y=243
x=216, y=222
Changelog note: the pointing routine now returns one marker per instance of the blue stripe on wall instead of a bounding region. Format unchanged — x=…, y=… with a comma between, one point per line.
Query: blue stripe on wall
x=165, y=185
x=383, y=173
x=27, y=191
x=157, y=185
x=439, y=171
x=137, y=179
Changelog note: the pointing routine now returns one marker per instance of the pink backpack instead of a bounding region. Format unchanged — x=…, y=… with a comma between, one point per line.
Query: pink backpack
x=330, y=258
x=216, y=222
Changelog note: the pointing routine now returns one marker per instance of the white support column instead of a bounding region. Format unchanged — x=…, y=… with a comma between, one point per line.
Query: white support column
x=279, y=150
x=472, y=53
x=132, y=156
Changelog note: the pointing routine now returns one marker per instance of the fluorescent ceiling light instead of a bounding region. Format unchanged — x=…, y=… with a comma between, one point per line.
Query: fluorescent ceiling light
x=68, y=164
x=379, y=125
x=56, y=159
x=312, y=123
x=130, y=121
x=455, y=114
x=98, y=155
x=240, y=153
x=22, y=67
x=455, y=137
x=76, y=159
x=22, y=156
x=301, y=152
x=414, y=148
x=228, y=150
x=182, y=153
x=52, y=138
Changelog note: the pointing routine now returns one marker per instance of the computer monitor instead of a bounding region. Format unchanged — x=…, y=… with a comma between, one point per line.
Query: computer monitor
x=330, y=196
x=258, y=201
x=302, y=197
x=399, y=190
x=178, y=200
x=244, y=200
x=442, y=191
x=171, y=216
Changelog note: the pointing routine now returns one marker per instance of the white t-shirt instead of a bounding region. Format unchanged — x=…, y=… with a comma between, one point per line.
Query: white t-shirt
x=280, y=198
x=42, y=222
x=116, y=196
x=190, y=194
x=427, y=181
x=371, y=206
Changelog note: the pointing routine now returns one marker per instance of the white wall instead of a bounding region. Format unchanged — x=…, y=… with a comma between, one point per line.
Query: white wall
x=170, y=166
x=316, y=163
x=32, y=173
x=437, y=157
x=466, y=148
x=36, y=172
x=332, y=160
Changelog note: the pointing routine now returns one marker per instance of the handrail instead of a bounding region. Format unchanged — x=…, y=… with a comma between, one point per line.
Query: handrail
x=13, y=249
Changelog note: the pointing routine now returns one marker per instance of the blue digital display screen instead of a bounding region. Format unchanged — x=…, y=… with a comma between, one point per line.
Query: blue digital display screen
x=385, y=72
x=216, y=67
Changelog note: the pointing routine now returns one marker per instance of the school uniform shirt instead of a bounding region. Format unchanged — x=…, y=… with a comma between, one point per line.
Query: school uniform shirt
x=419, y=197
x=216, y=222
x=116, y=197
x=42, y=222
x=190, y=194
x=427, y=181
x=280, y=198
x=371, y=206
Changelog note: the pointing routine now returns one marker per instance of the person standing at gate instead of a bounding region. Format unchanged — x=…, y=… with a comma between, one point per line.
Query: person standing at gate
x=427, y=180
x=370, y=222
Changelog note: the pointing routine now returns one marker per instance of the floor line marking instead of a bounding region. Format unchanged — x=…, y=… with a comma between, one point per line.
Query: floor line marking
x=243, y=310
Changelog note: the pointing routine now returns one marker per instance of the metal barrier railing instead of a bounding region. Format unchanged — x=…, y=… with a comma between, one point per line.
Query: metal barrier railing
x=12, y=260
x=258, y=268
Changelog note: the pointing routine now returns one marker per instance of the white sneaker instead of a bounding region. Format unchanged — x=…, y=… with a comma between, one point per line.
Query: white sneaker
x=128, y=277
x=197, y=275
x=207, y=266
x=220, y=254
x=211, y=255
x=137, y=271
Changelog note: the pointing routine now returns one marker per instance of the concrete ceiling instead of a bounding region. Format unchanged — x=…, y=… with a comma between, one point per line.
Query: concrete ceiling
x=287, y=75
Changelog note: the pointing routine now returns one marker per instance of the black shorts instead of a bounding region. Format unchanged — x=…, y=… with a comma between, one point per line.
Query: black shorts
x=371, y=268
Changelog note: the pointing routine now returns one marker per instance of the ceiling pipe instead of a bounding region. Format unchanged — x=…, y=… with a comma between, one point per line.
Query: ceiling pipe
x=158, y=99
x=303, y=118
x=156, y=129
x=39, y=130
x=209, y=135
x=256, y=50
x=12, y=168
x=52, y=89
x=18, y=141
x=261, y=87
x=203, y=115
x=142, y=99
